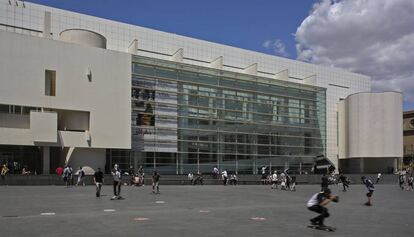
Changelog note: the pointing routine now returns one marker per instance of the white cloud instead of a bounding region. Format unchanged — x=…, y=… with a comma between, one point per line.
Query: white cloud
x=372, y=37
x=277, y=46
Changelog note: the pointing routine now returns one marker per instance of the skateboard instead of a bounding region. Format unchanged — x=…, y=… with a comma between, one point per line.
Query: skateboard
x=117, y=198
x=325, y=228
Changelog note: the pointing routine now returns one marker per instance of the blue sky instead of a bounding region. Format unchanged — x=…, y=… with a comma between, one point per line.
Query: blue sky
x=241, y=23
x=269, y=26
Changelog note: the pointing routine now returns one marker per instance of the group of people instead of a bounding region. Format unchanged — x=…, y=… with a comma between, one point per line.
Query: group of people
x=233, y=180
x=67, y=174
x=283, y=179
x=195, y=179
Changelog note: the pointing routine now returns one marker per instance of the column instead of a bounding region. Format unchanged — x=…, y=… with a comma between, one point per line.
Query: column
x=46, y=160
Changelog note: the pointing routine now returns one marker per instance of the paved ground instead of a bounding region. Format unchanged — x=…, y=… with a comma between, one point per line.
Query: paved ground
x=198, y=211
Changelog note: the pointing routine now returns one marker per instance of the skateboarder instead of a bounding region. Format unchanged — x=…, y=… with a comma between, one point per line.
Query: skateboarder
x=98, y=180
x=378, y=177
x=370, y=186
x=317, y=204
x=155, y=179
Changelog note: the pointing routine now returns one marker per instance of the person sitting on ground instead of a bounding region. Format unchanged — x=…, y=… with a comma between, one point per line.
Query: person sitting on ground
x=199, y=179
x=233, y=179
x=25, y=171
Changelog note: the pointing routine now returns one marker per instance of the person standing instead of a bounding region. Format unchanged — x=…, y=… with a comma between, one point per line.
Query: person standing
x=98, y=181
x=59, y=170
x=378, y=177
x=293, y=183
x=141, y=175
x=324, y=182
x=410, y=183
x=81, y=176
x=155, y=179
x=370, y=186
x=66, y=176
x=191, y=178
x=224, y=177
x=116, y=174
x=215, y=172
x=317, y=204
x=401, y=180
x=274, y=180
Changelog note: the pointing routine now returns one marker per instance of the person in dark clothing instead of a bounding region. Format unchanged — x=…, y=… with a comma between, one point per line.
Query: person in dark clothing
x=324, y=183
x=344, y=181
x=155, y=180
x=293, y=183
x=98, y=180
x=317, y=204
x=370, y=186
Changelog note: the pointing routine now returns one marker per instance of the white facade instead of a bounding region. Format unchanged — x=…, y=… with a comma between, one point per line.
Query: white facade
x=91, y=108
x=371, y=125
x=30, y=19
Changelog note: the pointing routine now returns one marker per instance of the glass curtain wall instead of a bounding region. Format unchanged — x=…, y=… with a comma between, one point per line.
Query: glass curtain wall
x=188, y=118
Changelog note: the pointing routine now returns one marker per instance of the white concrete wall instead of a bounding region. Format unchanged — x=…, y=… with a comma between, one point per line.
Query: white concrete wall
x=373, y=125
x=339, y=83
x=106, y=97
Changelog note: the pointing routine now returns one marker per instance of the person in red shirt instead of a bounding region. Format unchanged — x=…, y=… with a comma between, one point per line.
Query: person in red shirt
x=59, y=171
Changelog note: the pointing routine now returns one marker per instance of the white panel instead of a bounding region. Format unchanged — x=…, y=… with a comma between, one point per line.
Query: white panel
x=43, y=126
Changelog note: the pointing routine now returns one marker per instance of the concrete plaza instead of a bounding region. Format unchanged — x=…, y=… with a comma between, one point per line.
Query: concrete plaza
x=199, y=211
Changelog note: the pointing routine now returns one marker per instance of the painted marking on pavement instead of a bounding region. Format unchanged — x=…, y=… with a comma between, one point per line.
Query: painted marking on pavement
x=109, y=210
x=204, y=211
x=141, y=219
x=159, y=202
x=256, y=218
x=47, y=214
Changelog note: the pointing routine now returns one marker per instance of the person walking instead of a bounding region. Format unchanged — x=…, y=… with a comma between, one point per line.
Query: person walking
x=81, y=176
x=344, y=181
x=378, y=177
x=66, y=175
x=117, y=176
x=98, y=181
x=370, y=186
x=155, y=179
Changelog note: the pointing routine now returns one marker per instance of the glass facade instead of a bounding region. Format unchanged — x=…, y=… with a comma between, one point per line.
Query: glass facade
x=187, y=118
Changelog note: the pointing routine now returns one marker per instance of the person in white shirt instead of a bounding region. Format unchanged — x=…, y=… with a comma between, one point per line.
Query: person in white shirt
x=81, y=175
x=191, y=177
x=274, y=180
x=317, y=204
x=224, y=177
x=378, y=177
